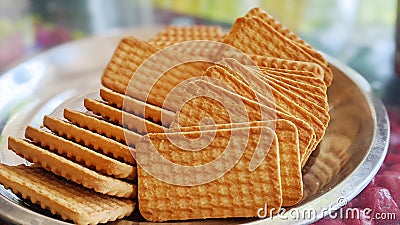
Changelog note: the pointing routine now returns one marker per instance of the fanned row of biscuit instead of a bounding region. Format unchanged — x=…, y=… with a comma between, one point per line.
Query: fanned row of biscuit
x=269, y=108
x=102, y=170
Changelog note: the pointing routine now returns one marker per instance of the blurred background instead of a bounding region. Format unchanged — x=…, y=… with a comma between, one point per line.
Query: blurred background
x=361, y=33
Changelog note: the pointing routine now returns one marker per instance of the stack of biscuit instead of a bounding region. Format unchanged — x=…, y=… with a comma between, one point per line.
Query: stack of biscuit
x=268, y=99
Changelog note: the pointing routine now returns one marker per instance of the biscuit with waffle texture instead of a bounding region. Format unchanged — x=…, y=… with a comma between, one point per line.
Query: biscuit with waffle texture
x=59, y=196
x=290, y=167
x=176, y=34
x=80, y=154
x=122, y=118
x=273, y=64
x=195, y=110
x=156, y=77
x=237, y=193
x=90, y=139
x=295, y=77
x=70, y=170
x=99, y=126
x=280, y=96
x=137, y=107
x=258, y=12
x=314, y=95
x=254, y=36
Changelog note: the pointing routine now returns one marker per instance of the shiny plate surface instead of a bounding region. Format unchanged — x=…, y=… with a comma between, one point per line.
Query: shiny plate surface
x=349, y=156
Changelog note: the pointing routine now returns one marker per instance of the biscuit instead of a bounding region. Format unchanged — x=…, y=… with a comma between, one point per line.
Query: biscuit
x=260, y=80
x=258, y=12
x=157, y=77
x=138, y=108
x=193, y=111
x=233, y=83
x=80, y=154
x=70, y=170
x=59, y=196
x=244, y=82
x=298, y=97
x=290, y=167
x=295, y=106
x=97, y=125
x=90, y=139
x=128, y=56
x=278, y=64
x=307, y=92
x=286, y=101
x=237, y=193
x=295, y=77
x=254, y=36
x=174, y=34
x=122, y=118
x=261, y=84
x=206, y=50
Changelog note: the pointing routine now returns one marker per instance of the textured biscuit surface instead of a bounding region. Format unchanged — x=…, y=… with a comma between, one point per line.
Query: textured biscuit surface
x=258, y=12
x=157, y=76
x=254, y=36
x=303, y=109
x=95, y=124
x=71, y=171
x=174, y=34
x=80, y=154
x=285, y=99
x=294, y=76
x=71, y=201
x=89, y=139
x=122, y=118
x=209, y=108
x=238, y=193
x=311, y=97
x=278, y=64
x=138, y=108
x=234, y=82
x=290, y=166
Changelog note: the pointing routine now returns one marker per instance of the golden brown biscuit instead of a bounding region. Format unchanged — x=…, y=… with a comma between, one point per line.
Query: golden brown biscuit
x=100, y=126
x=123, y=119
x=174, y=34
x=80, y=154
x=290, y=76
x=90, y=139
x=70, y=170
x=283, y=98
x=254, y=36
x=258, y=12
x=278, y=64
x=193, y=111
x=237, y=193
x=161, y=73
x=290, y=166
x=307, y=92
x=138, y=108
x=71, y=201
